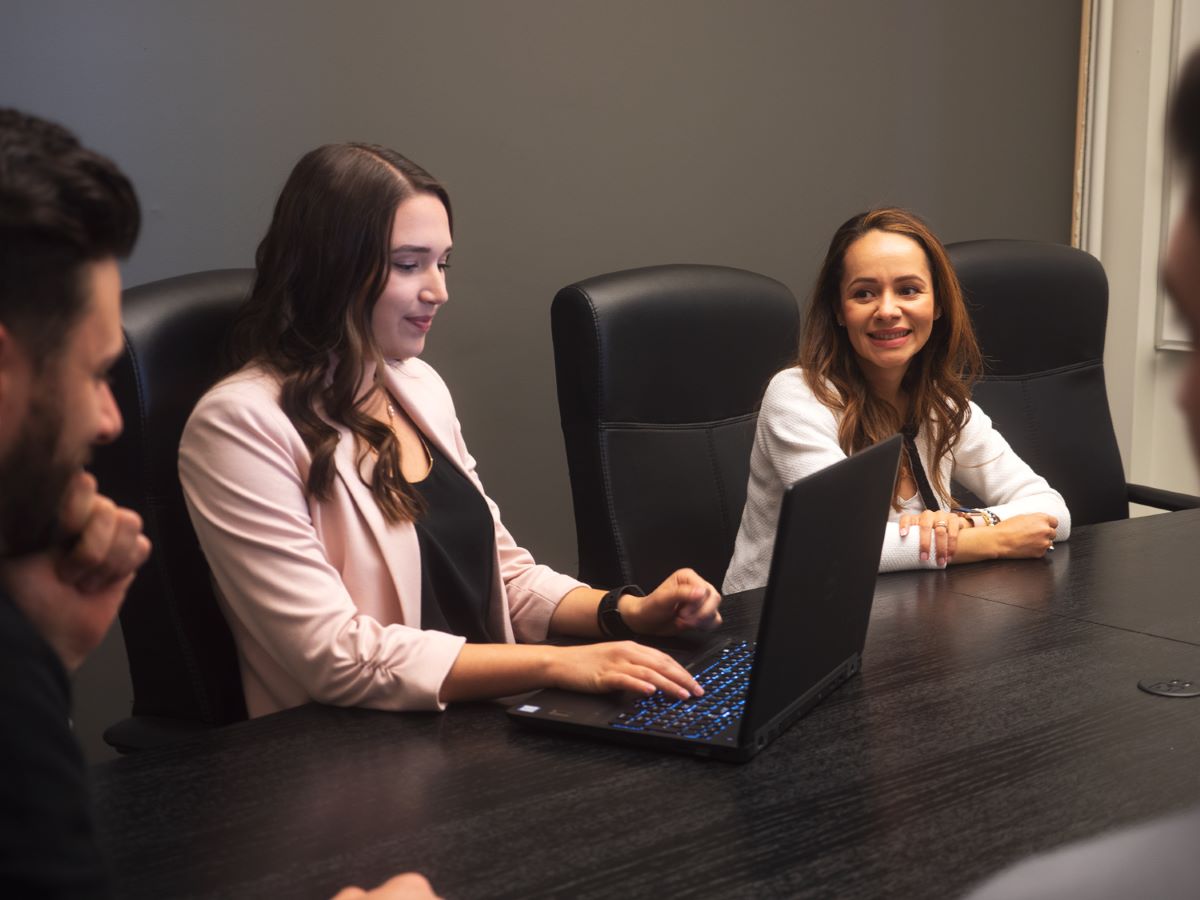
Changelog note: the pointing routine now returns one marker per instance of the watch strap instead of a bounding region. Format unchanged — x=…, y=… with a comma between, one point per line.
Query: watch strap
x=608, y=614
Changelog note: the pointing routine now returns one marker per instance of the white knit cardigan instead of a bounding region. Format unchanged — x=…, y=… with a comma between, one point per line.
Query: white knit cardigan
x=797, y=435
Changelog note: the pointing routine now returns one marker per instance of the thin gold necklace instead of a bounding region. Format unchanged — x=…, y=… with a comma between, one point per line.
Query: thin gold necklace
x=391, y=414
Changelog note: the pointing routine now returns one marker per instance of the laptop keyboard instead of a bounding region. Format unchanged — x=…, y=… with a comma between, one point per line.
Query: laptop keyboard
x=725, y=679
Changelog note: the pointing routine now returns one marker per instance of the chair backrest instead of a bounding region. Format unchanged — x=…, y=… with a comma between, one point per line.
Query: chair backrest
x=1040, y=312
x=660, y=375
x=181, y=656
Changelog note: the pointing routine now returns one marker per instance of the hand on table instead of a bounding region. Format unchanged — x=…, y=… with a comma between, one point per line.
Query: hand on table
x=1027, y=536
x=939, y=533
x=72, y=594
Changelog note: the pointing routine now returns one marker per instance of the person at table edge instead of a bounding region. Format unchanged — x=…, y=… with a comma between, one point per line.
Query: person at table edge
x=1157, y=859
x=357, y=558
x=888, y=346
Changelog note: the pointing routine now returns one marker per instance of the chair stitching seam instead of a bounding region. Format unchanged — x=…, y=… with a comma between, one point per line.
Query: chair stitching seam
x=610, y=506
x=722, y=500
x=679, y=426
x=1031, y=425
x=1086, y=364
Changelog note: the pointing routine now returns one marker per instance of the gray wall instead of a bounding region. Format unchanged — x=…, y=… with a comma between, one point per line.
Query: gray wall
x=576, y=138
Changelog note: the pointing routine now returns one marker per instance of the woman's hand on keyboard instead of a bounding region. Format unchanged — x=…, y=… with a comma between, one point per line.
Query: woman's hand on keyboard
x=683, y=602
x=620, y=666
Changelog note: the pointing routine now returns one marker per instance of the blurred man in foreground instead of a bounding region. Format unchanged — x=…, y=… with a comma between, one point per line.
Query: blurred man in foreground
x=1157, y=859
x=67, y=553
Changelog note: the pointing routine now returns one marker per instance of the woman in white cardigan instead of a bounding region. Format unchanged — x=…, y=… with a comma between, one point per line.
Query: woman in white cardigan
x=888, y=347
x=357, y=558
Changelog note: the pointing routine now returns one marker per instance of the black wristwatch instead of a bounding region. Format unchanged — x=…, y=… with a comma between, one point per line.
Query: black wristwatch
x=608, y=615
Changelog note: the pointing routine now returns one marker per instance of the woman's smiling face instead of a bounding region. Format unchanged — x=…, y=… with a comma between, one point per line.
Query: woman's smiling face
x=887, y=303
x=416, y=282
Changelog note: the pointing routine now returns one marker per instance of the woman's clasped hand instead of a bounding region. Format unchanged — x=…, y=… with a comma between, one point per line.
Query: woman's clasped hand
x=944, y=535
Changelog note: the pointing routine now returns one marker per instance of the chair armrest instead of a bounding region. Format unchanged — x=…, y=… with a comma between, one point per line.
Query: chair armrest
x=1172, y=501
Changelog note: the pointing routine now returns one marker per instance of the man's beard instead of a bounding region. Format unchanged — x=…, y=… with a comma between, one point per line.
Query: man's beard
x=34, y=476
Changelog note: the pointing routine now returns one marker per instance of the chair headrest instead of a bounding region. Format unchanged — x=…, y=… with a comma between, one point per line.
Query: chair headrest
x=617, y=334
x=1036, y=306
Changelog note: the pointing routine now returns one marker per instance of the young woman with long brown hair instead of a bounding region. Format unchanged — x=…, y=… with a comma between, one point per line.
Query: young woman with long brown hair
x=888, y=347
x=357, y=558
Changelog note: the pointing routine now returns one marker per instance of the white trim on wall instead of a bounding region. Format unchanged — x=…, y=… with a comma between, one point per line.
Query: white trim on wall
x=1095, y=63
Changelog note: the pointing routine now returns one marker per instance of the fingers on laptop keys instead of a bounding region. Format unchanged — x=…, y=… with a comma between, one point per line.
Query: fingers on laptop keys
x=650, y=670
x=627, y=666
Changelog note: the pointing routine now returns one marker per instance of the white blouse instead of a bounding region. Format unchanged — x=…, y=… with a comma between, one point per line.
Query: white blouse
x=797, y=435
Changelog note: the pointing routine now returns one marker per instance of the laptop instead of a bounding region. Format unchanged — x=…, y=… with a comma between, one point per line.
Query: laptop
x=811, y=632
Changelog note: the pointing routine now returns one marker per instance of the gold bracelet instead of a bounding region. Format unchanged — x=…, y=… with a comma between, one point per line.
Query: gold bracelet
x=977, y=516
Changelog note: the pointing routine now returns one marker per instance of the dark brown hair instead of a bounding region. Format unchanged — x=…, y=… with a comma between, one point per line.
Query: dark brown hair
x=62, y=206
x=939, y=378
x=321, y=269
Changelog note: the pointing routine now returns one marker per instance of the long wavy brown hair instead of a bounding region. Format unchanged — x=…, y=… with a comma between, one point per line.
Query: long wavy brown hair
x=939, y=378
x=321, y=269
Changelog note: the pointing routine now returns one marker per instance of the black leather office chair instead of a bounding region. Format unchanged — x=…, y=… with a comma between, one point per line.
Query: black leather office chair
x=181, y=656
x=1040, y=312
x=660, y=375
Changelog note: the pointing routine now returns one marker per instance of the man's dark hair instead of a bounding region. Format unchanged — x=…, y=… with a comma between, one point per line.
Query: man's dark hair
x=1183, y=122
x=61, y=206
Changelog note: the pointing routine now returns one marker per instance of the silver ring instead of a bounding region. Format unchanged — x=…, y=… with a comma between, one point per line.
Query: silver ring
x=940, y=525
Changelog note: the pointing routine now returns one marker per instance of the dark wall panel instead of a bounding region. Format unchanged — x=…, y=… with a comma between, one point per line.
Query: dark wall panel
x=576, y=138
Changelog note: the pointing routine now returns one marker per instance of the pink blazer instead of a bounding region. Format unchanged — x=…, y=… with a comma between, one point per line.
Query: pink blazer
x=324, y=597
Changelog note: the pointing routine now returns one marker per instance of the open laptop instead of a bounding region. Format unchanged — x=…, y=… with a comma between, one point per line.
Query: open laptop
x=811, y=633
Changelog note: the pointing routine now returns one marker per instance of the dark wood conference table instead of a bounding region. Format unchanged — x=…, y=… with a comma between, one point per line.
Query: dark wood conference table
x=997, y=714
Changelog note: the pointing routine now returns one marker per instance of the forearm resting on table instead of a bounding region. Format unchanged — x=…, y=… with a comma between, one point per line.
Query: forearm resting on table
x=1024, y=536
x=485, y=671
x=497, y=670
x=977, y=544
